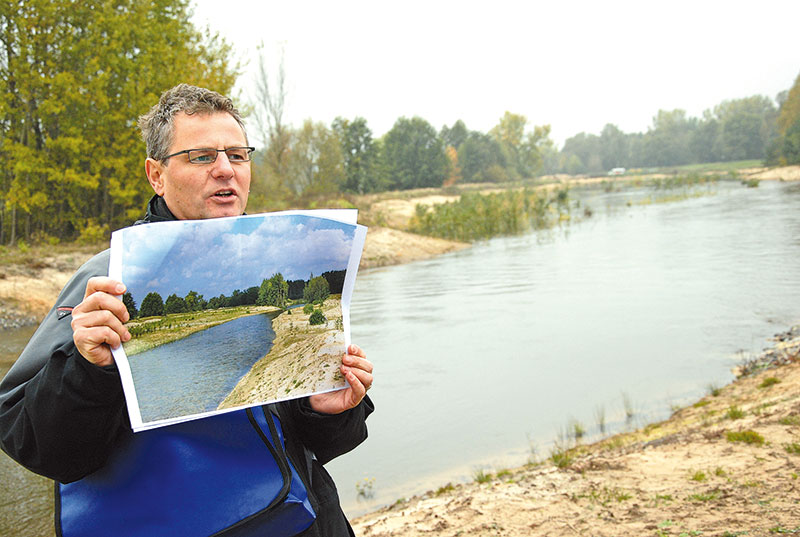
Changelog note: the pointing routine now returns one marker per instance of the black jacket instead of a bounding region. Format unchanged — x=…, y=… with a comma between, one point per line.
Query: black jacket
x=61, y=415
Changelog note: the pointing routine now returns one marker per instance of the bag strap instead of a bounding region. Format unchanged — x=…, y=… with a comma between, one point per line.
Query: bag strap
x=277, y=450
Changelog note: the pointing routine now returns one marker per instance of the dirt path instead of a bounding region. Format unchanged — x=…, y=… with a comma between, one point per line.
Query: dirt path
x=693, y=474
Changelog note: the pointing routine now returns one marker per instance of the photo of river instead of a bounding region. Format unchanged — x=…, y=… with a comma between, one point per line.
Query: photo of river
x=481, y=353
x=194, y=374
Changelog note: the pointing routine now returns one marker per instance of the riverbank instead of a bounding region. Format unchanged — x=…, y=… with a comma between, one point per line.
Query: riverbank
x=726, y=465
x=298, y=348
x=155, y=331
x=30, y=283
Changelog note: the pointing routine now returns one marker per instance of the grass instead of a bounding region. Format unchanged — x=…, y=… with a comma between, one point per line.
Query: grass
x=445, y=489
x=747, y=437
x=769, y=381
x=790, y=420
x=734, y=413
x=793, y=448
x=480, y=476
x=714, y=390
x=699, y=476
x=704, y=496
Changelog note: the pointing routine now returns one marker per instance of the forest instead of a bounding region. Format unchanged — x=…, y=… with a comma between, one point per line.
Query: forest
x=75, y=78
x=273, y=291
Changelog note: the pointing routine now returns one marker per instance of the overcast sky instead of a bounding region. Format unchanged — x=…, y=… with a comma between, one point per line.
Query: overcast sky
x=237, y=253
x=575, y=65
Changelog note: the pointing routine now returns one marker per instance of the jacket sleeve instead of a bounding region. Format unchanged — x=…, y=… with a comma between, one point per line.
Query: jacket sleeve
x=59, y=413
x=329, y=435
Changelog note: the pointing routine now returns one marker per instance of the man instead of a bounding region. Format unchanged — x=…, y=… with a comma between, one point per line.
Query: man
x=62, y=410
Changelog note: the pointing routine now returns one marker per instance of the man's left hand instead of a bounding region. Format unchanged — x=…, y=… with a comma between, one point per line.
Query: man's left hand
x=358, y=372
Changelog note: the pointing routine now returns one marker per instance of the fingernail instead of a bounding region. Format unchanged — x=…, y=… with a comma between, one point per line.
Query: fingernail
x=120, y=289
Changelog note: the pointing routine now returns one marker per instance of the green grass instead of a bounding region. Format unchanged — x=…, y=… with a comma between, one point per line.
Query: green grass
x=790, y=420
x=711, y=167
x=705, y=497
x=714, y=390
x=480, y=476
x=699, y=476
x=748, y=437
x=769, y=381
x=445, y=489
x=793, y=448
x=734, y=413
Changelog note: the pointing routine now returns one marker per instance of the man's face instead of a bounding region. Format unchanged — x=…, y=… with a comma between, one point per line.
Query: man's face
x=198, y=191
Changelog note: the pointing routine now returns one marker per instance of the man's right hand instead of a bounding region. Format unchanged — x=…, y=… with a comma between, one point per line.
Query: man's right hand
x=97, y=322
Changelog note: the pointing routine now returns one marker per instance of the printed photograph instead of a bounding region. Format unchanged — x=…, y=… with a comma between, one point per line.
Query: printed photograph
x=234, y=312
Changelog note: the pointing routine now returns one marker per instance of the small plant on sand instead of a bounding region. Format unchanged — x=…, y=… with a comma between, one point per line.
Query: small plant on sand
x=702, y=403
x=479, y=476
x=748, y=437
x=734, y=413
x=704, y=497
x=769, y=381
x=790, y=420
x=793, y=448
x=504, y=473
x=445, y=489
x=699, y=475
x=720, y=472
x=714, y=390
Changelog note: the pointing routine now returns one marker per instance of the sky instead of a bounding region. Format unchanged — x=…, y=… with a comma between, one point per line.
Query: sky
x=238, y=253
x=575, y=65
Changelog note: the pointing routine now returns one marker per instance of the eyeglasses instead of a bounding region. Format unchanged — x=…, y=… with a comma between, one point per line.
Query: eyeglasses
x=208, y=155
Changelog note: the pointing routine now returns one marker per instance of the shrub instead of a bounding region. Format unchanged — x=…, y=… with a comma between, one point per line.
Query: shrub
x=317, y=317
x=748, y=437
x=308, y=308
x=769, y=381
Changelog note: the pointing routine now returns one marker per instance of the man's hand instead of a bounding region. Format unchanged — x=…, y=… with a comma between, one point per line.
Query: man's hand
x=358, y=372
x=97, y=322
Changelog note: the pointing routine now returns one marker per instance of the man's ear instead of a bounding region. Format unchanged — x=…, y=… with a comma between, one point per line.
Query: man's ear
x=155, y=175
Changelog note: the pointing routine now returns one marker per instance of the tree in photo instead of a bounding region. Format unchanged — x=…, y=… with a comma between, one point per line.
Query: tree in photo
x=194, y=301
x=152, y=306
x=130, y=305
x=174, y=304
x=316, y=317
x=317, y=290
x=273, y=292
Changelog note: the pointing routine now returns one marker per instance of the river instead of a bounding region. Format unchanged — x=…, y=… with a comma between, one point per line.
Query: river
x=483, y=353
x=194, y=374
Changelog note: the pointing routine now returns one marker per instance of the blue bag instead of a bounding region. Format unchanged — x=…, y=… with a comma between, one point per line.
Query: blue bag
x=209, y=477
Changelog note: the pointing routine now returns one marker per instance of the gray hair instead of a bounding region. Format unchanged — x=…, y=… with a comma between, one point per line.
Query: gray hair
x=157, y=124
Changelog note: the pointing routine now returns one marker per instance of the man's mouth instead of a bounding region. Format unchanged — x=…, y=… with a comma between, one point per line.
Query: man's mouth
x=224, y=193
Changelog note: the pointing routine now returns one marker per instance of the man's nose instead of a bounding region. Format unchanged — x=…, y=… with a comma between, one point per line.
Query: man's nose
x=223, y=169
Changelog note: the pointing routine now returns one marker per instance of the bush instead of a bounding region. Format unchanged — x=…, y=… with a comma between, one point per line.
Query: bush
x=317, y=317
x=308, y=308
x=748, y=437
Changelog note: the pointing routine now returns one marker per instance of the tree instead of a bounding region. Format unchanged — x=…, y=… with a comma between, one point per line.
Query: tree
x=414, y=155
x=317, y=290
x=316, y=165
x=194, y=301
x=360, y=154
x=152, y=305
x=316, y=317
x=788, y=143
x=746, y=128
x=276, y=135
x=174, y=304
x=130, y=305
x=482, y=158
x=454, y=136
x=273, y=292
x=73, y=79
x=522, y=149
x=667, y=141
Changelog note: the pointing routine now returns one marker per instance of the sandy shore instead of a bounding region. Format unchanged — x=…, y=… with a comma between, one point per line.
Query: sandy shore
x=689, y=475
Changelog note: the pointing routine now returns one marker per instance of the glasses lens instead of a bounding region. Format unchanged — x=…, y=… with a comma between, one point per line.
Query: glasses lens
x=238, y=154
x=202, y=156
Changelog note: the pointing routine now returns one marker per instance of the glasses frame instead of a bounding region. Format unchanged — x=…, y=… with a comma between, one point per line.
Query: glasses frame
x=218, y=151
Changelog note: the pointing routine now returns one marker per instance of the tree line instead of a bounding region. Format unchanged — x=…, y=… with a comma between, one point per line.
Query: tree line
x=273, y=291
x=74, y=78
x=752, y=128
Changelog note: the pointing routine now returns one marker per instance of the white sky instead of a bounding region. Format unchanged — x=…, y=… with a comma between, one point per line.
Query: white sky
x=575, y=65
